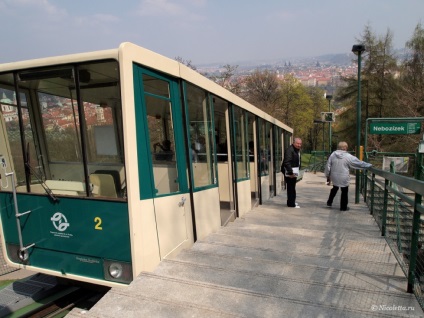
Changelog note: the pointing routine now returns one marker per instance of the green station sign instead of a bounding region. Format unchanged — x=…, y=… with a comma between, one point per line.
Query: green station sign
x=395, y=128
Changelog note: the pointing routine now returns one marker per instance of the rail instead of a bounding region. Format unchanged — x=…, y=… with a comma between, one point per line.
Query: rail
x=395, y=201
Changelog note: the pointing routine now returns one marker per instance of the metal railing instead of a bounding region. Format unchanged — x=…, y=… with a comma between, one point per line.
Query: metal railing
x=395, y=201
x=317, y=161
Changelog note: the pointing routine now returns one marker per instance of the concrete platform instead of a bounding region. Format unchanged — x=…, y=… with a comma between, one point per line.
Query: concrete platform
x=17, y=274
x=276, y=261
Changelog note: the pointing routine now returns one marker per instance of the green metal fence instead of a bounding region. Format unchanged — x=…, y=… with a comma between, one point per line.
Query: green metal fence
x=395, y=201
x=407, y=161
x=317, y=161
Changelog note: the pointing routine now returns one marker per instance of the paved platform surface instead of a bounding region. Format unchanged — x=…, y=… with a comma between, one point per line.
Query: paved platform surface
x=11, y=273
x=276, y=261
x=16, y=274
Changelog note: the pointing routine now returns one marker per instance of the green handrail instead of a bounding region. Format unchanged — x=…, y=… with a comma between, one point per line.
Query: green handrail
x=391, y=185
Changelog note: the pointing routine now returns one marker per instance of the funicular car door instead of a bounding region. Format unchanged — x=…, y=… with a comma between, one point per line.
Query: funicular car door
x=161, y=156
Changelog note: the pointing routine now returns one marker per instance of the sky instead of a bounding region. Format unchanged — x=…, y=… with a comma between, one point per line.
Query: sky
x=201, y=31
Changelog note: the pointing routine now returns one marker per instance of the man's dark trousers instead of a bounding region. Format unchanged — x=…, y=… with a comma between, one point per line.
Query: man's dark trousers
x=291, y=192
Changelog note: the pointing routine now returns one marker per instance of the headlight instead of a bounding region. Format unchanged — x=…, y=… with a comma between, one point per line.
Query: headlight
x=115, y=270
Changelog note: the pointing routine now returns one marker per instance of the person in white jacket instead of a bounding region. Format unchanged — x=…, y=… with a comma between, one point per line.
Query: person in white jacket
x=337, y=172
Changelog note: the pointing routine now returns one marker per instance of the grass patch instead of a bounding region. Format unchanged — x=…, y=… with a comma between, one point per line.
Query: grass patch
x=304, y=159
x=5, y=283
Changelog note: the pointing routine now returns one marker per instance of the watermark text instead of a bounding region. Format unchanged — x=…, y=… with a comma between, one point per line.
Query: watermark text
x=391, y=308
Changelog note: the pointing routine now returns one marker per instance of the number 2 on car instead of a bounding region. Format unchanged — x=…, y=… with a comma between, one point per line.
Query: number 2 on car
x=98, y=223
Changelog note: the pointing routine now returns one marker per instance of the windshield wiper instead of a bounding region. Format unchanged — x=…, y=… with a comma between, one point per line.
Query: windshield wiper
x=42, y=183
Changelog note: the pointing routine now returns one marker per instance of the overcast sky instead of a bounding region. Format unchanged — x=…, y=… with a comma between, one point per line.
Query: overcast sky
x=203, y=31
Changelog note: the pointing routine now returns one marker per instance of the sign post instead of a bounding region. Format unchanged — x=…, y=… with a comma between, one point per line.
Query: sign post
x=392, y=126
x=395, y=128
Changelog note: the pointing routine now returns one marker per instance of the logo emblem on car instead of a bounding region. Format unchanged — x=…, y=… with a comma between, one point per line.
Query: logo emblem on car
x=59, y=221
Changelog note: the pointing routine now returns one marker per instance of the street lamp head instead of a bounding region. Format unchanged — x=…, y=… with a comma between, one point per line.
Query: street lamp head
x=329, y=97
x=358, y=49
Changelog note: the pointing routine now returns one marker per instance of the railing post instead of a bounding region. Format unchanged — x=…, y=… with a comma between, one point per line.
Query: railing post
x=418, y=168
x=365, y=185
x=372, y=193
x=384, y=216
x=414, y=245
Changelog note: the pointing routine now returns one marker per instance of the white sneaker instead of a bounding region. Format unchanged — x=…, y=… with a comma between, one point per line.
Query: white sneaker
x=296, y=204
x=297, y=207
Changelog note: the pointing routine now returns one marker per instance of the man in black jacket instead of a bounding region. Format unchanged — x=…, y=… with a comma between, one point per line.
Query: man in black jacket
x=292, y=160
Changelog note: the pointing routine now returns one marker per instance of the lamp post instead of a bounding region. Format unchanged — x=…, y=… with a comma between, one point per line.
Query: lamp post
x=357, y=49
x=329, y=97
x=323, y=151
x=321, y=122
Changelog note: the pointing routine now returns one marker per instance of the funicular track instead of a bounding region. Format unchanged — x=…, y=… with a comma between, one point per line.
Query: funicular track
x=46, y=296
x=60, y=305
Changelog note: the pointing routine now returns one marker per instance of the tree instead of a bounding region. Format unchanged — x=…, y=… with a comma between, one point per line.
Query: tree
x=296, y=108
x=227, y=79
x=318, y=105
x=287, y=100
x=379, y=86
x=186, y=63
x=412, y=77
x=410, y=99
x=382, y=85
x=295, y=105
x=261, y=89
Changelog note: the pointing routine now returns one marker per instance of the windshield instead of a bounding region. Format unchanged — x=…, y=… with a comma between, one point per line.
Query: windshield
x=65, y=125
